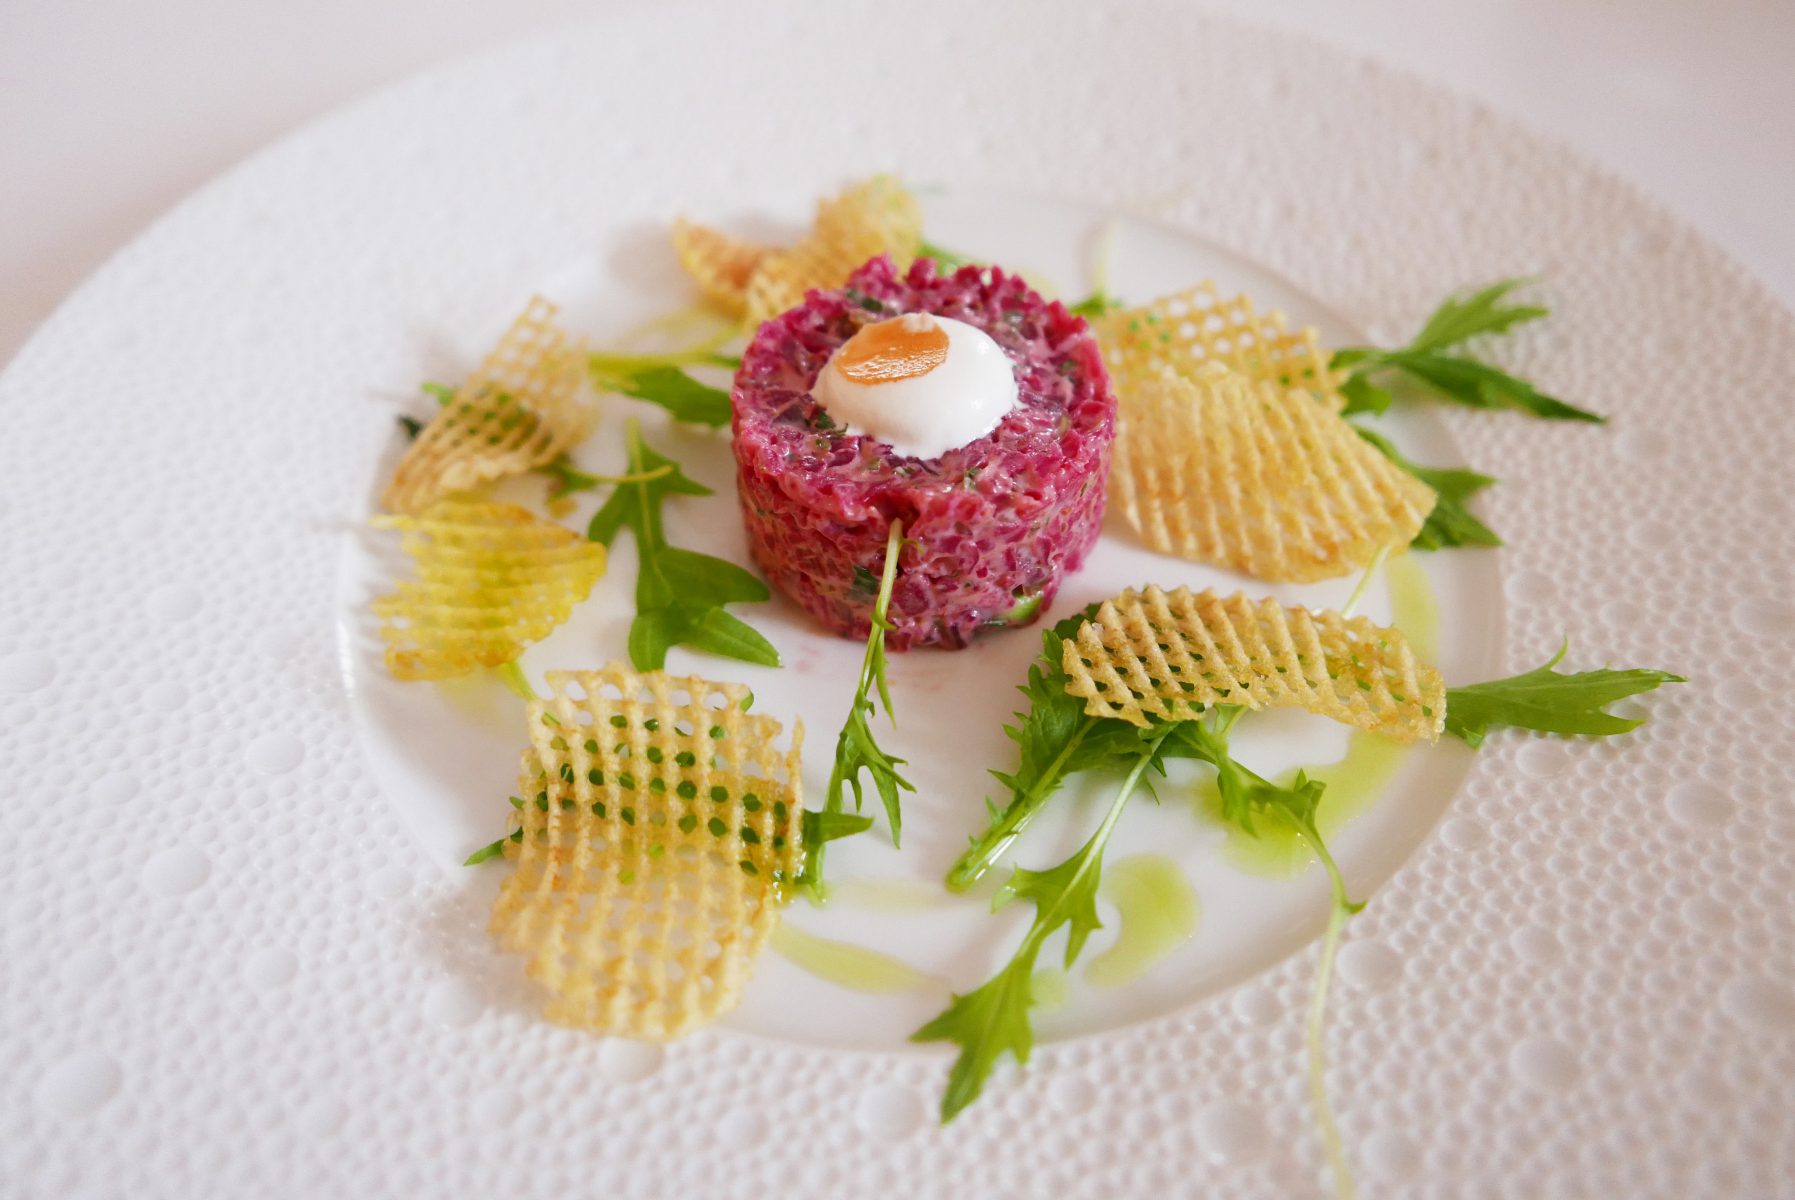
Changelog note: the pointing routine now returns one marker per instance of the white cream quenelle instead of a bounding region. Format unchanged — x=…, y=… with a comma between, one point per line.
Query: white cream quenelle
x=922, y=384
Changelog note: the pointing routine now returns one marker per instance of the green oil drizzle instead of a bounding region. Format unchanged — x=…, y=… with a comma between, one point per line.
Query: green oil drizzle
x=847, y=965
x=1158, y=911
x=889, y=895
x=1413, y=608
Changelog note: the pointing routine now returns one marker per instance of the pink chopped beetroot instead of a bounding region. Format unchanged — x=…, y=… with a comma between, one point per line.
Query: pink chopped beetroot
x=990, y=528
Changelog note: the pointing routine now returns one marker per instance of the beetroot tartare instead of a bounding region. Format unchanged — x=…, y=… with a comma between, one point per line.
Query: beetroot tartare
x=990, y=527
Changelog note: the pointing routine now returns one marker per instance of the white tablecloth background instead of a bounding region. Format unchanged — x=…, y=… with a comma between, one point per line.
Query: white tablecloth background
x=111, y=110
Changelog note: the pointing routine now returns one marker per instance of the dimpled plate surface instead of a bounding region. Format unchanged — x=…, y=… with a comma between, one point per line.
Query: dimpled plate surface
x=230, y=971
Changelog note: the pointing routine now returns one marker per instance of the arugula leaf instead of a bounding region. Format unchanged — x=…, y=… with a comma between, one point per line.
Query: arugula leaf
x=680, y=594
x=1450, y=523
x=411, y=425
x=1436, y=360
x=1549, y=701
x=993, y=1018
x=1054, y=739
x=855, y=748
x=1459, y=319
x=662, y=379
x=674, y=390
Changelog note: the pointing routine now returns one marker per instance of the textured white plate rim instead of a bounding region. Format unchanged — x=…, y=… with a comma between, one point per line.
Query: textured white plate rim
x=1754, y=612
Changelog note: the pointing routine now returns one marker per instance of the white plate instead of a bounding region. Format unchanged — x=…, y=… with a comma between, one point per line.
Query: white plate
x=240, y=961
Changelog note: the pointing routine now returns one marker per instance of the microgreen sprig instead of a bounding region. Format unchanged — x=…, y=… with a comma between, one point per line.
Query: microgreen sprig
x=1451, y=522
x=993, y=1018
x=1437, y=361
x=856, y=750
x=1055, y=739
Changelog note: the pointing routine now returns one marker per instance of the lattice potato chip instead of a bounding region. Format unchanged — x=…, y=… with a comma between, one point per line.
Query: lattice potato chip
x=1246, y=474
x=876, y=217
x=520, y=409
x=1173, y=654
x=660, y=833
x=719, y=263
x=491, y=579
x=1190, y=328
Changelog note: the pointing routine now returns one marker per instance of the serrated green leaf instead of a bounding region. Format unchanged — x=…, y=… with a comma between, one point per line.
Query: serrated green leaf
x=1550, y=702
x=986, y=1023
x=856, y=750
x=1451, y=522
x=1051, y=737
x=1436, y=360
x=1461, y=318
x=993, y=1019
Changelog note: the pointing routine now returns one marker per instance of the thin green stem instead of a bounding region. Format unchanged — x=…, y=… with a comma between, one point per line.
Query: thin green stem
x=1091, y=855
x=1341, y=912
x=872, y=675
x=996, y=841
x=512, y=676
x=704, y=354
x=1371, y=569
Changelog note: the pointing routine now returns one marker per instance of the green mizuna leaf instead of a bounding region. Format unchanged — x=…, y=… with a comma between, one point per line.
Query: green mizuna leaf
x=1487, y=311
x=1054, y=739
x=1450, y=523
x=680, y=594
x=1549, y=701
x=856, y=750
x=1475, y=384
x=993, y=1019
x=1437, y=362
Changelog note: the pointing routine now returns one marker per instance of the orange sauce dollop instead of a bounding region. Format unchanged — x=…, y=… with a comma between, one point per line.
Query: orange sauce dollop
x=887, y=351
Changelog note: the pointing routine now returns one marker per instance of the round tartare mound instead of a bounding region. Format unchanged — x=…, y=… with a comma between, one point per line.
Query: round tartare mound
x=990, y=528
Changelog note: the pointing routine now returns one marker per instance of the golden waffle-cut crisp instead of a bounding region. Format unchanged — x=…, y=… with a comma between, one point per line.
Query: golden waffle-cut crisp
x=872, y=218
x=491, y=579
x=1189, y=329
x=1173, y=654
x=1247, y=474
x=719, y=263
x=660, y=825
x=521, y=408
